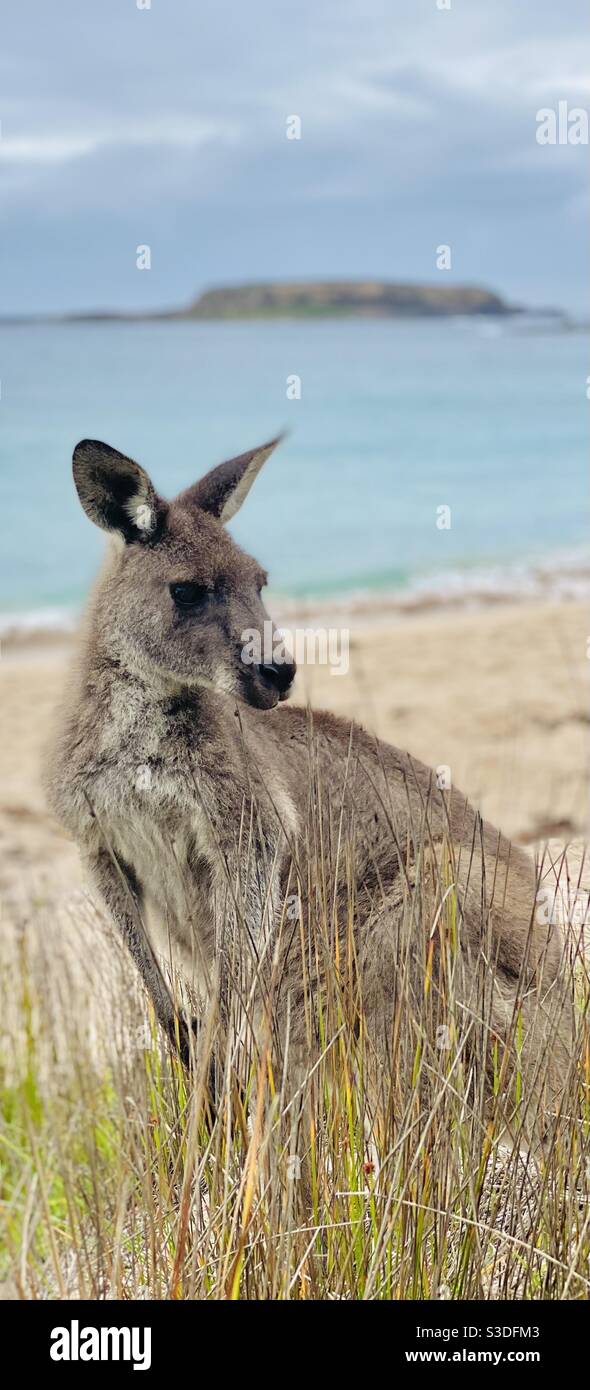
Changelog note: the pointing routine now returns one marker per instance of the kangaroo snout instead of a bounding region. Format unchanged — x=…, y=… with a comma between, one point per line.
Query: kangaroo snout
x=279, y=675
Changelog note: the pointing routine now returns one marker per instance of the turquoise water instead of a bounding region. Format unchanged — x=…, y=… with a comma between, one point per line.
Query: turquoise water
x=394, y=421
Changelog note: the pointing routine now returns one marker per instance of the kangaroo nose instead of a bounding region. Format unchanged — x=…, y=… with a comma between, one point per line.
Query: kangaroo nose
x=280, y=674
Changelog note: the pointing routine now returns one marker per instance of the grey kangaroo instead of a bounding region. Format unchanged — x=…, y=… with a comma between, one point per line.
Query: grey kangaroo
x=195, y=795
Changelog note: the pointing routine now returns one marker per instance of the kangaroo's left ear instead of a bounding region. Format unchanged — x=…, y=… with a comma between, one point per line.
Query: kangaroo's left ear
x=116, y=493
x=222, y=491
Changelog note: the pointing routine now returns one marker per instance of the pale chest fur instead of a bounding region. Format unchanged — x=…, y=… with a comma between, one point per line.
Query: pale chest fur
x=152, y=804
x=167, y=791
x=173, y=867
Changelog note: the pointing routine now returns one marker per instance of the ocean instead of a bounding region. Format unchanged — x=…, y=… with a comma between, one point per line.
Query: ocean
x=394, y=421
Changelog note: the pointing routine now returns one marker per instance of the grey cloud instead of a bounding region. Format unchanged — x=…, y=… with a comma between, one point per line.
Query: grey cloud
x=170, y=123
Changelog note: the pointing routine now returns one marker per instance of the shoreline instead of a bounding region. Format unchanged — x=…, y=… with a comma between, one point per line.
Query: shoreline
x=565, y=581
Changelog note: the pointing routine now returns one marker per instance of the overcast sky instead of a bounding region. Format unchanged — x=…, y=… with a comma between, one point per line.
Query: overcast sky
x=167, y=126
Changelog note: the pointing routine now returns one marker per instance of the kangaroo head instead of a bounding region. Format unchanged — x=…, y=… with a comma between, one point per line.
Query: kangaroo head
x=179, y=595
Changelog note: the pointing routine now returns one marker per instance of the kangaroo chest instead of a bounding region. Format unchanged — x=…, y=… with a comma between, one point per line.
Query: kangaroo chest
x=172, y=870
x=153, y=804
x=180, y=810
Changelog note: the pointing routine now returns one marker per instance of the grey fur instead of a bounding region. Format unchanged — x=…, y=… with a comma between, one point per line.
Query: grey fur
x=195, y=798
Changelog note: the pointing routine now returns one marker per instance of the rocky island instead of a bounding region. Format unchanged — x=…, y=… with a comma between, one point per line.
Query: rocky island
x=346, y=298
x=309, y=299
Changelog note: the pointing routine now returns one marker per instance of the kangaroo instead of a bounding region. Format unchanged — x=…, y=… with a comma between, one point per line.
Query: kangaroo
x=195, y=794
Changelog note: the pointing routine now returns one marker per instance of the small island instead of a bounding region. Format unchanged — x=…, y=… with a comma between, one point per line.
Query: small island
x=312, y=299
x=341, y=298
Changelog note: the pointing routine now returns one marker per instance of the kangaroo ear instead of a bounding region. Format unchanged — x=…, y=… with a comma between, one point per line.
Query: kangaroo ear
x=116, y=493
x=222, y=491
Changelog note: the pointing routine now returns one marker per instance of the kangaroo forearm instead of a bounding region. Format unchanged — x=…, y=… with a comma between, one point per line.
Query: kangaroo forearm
x=115, y=884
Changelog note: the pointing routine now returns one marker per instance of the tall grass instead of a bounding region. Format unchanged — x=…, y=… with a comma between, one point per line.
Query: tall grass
x=363, y=1181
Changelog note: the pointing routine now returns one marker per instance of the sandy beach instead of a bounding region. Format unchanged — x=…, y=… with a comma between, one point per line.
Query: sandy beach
x=498, y=695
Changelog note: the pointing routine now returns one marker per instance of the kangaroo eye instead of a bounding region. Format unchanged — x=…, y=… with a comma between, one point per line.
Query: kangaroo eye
x=188, y=595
